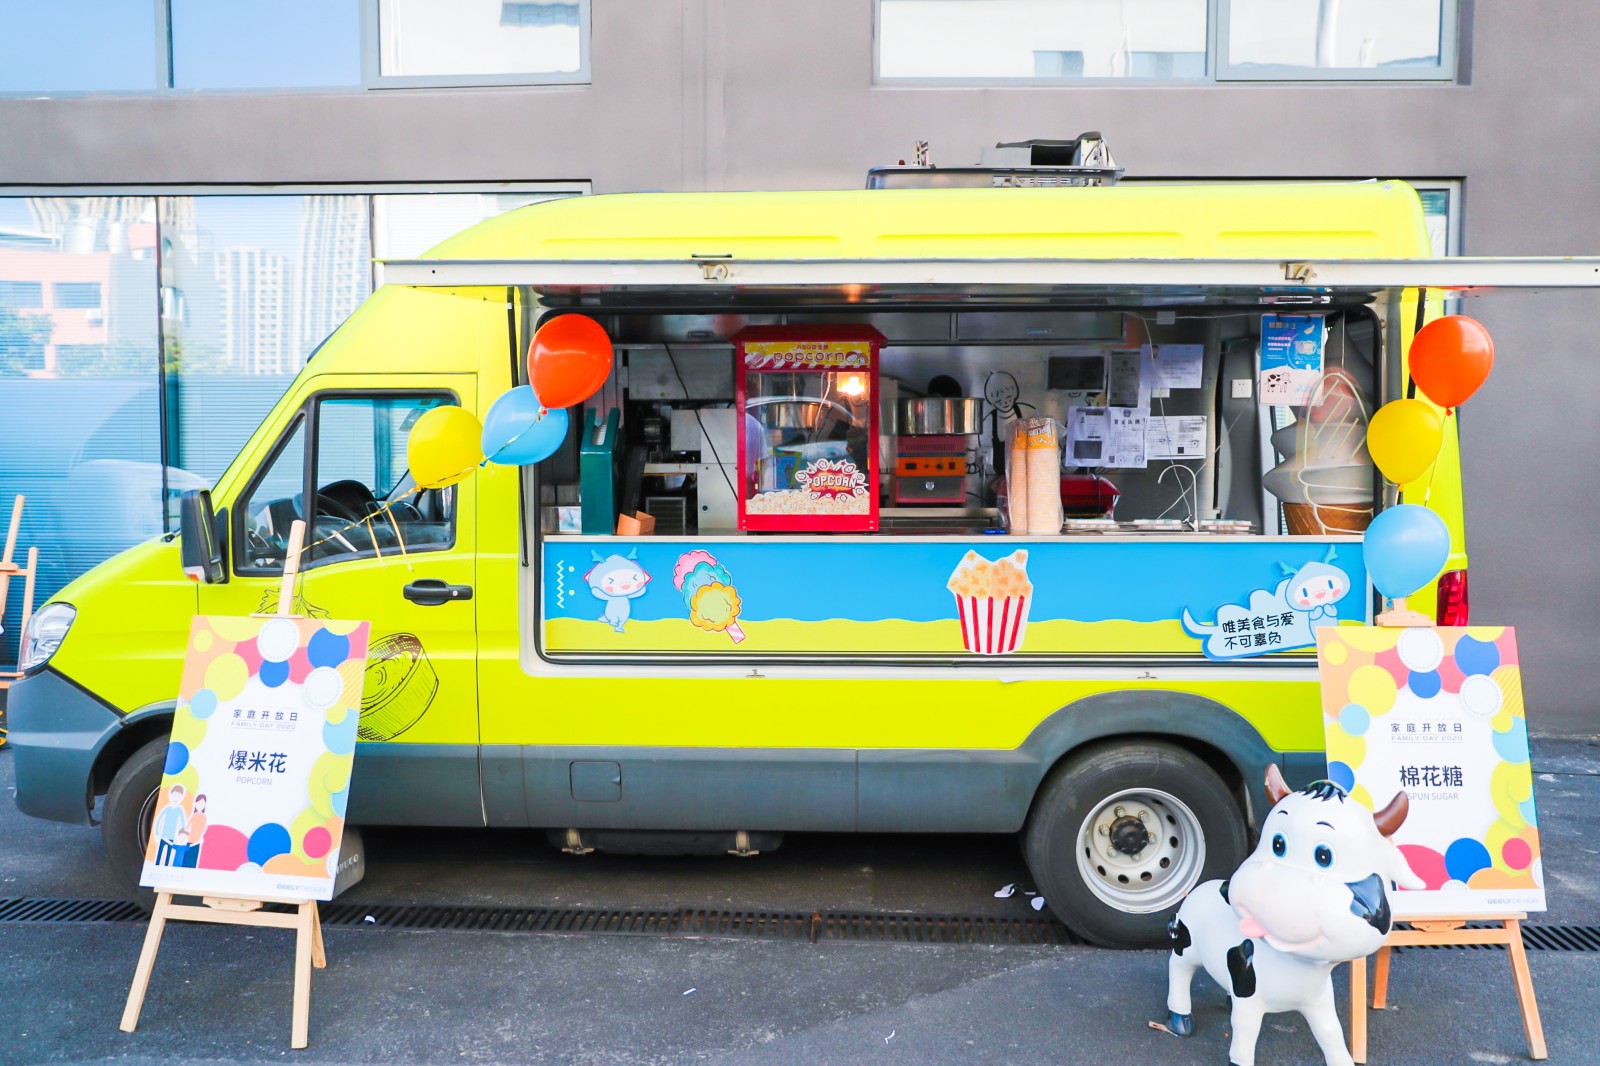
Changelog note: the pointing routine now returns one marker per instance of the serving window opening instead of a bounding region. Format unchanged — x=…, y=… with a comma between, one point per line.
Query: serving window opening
x=1190, y=420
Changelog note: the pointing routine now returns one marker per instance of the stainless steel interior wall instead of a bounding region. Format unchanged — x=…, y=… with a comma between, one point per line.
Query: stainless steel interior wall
x=772, y=94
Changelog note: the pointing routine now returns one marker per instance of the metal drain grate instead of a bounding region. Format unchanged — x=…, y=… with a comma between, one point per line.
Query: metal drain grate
x=706, y=922
x=69, y=910
x=816, y=927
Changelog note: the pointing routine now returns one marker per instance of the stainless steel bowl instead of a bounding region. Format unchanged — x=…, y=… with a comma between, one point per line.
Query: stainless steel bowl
x=941, y=416
x=797, y=412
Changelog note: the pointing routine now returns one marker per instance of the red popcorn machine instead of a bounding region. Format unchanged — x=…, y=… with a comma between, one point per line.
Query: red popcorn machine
x=808, y=447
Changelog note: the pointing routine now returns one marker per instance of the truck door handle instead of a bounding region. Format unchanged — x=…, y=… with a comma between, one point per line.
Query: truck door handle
x=430, y=592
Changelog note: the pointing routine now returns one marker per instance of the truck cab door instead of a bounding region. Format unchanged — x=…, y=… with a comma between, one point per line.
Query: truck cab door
x=376, y=549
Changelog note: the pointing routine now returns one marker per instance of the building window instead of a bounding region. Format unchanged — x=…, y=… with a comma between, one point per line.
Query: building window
x=1375, y=40
x=126, y=387
x=76, y=295
x=480, y=42
x=1043, y=41
x=20, y=295
x=156, y=46
x=1036, y=40
x=284, y=44
x=74, y=46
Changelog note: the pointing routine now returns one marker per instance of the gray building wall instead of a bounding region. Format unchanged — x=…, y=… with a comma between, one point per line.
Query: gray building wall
x=772, y=94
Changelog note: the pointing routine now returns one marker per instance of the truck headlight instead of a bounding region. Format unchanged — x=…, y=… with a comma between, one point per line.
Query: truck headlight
x=44, y=633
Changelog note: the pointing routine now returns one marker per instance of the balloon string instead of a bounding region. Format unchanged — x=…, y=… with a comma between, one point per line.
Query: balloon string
x=515, y=437
x=386, y=511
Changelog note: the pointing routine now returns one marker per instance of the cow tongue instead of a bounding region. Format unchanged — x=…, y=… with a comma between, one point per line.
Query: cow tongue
x=1250, y=927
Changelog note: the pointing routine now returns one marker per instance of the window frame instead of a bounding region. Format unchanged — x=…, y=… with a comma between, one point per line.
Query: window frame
x=308, y=414
x=1218, y=70
x=239, y=508
x=161, y=83
x=1449, y=61
x=372, y=76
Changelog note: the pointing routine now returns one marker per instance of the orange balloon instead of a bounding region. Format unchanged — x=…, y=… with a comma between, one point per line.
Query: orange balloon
x=569, y=359
x=1450, y=358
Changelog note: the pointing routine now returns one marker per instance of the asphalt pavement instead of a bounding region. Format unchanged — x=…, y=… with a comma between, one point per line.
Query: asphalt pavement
x=222, y=994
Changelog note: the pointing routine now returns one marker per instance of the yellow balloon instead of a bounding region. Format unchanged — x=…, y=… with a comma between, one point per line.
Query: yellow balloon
x=1404, y=438
x=444, y=447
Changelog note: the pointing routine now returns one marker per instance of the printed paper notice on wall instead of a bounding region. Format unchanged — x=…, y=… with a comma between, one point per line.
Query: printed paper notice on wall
x=1111, y=437
x=1438, y=713
x=1291, y=359
x=252, y=796
x=1173, y=366
x=1127, y=387
x=1175, y=437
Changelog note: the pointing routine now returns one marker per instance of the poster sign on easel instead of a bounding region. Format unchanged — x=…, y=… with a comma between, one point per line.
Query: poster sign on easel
x=252, y=798
x=253, y=795
x=1438, y=713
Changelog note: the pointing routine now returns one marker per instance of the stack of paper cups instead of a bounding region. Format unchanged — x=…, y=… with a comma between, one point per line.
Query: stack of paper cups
x=1017, y=479
x=1042, y=448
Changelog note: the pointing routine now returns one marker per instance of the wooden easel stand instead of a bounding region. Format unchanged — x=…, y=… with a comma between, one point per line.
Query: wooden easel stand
x=8, y=570
x=1446, y=932
x=308, y=950
x=223, y=910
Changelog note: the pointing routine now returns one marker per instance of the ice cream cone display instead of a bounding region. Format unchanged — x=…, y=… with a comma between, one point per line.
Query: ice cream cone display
x=992, y=600
x=1324, y=479
x=400, y=685
x=709, y=594
x=1041, y=453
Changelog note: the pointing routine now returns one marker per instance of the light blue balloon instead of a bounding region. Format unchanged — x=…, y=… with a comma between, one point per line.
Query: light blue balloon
x=1406, y=547
x=516, y=434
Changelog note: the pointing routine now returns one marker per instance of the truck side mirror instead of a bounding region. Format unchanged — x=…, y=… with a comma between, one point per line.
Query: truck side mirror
x=197, y=532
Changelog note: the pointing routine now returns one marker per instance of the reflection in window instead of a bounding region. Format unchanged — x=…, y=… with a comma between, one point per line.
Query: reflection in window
x=252, y=284
x=406, y=225
x=1335, y=34
x=20, y=294
x=271, y=506
x=77, y=46
x=1030, y=39
x=366, y=500
x=479, y=37
x=245, y=44
x=76, y=295
x=80, y=436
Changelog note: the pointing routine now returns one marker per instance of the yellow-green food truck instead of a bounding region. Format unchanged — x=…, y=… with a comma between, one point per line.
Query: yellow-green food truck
x=1098, y=651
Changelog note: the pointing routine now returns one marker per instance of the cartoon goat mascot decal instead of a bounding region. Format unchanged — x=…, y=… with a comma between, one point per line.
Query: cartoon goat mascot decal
x=616, y=580
x=1313, y=894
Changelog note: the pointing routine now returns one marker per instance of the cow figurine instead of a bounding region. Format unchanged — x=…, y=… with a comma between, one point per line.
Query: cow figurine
x=1313, y=894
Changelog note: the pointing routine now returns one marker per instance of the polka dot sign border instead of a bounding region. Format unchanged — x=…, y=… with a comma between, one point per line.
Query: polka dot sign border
x=1365, y=673
x=324, y=660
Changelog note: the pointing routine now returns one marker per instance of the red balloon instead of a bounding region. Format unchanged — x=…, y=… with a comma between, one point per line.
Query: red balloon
x=569, y=359
x=1450, y=358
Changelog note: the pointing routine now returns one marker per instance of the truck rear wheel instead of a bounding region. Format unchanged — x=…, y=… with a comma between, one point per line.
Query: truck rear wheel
x=1119, y=835
x=129, y=810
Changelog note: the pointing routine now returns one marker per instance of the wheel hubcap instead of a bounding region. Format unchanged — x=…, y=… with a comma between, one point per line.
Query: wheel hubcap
x=1141, y=850
x=147, y=818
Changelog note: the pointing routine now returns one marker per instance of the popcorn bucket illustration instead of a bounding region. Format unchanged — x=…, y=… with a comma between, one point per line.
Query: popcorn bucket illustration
x=992, y=625
x=992, y=602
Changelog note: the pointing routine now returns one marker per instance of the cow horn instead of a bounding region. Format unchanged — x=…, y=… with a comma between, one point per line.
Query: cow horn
x=1392, y=817
x=1276, y=787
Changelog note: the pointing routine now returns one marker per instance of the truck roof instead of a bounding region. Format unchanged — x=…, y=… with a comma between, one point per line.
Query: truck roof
x=1344, y=220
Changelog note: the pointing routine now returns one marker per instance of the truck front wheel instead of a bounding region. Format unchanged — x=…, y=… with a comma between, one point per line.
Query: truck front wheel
x=1119, y=834
x=130, y=808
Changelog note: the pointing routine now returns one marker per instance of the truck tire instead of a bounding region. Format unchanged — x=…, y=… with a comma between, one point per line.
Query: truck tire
x=1120, y=833
x=125, y=819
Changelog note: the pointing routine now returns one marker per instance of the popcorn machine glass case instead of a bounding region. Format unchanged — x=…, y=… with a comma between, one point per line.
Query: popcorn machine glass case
x=808, y=405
